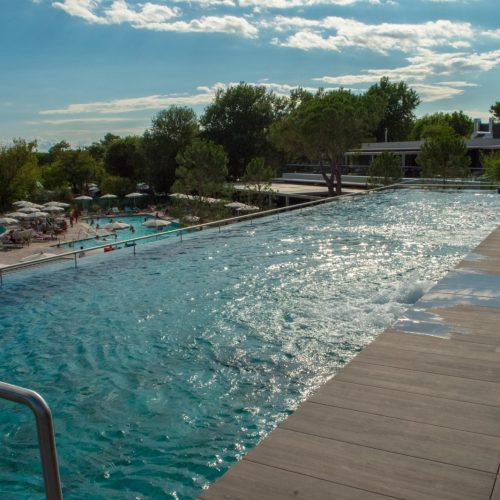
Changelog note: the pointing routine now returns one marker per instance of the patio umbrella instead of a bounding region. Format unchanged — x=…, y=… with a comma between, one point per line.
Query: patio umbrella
x=8, y=220
x=83, y=197
x=28, y=210
x=134, y=196
x=57, y=204
x=53, y=208
x=14, y=215
x=115, y=225
x=21, y=215
x=35, y=215
x=156, y=223
x=109, y=197
x=241, y=206
x=37, y=256
x=21, y=203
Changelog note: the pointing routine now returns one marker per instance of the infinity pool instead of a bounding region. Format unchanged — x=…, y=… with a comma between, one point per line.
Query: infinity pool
x=164, y=369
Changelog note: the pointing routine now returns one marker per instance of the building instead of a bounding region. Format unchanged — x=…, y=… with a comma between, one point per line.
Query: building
x=484, y=139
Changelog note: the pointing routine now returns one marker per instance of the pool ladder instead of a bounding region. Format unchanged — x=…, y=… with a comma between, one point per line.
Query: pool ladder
x=45, y=431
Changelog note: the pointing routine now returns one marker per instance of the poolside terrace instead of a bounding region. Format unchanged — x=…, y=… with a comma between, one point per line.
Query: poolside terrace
x=415, y=415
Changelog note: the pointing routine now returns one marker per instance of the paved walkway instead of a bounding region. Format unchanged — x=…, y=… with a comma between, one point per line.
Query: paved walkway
x=415, y=415
x=9, y=257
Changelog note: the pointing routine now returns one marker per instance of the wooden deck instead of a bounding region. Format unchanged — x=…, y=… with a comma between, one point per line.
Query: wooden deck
x=416, y=415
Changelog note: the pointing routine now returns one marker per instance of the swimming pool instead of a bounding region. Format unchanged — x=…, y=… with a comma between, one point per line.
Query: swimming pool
x=86, y=240
x=163, y=369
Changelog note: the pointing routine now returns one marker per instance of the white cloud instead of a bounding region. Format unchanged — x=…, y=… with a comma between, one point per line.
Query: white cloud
x=66, y=121
x=204, y=96
x=153, y=16
x=424, y=66
x=382, y=38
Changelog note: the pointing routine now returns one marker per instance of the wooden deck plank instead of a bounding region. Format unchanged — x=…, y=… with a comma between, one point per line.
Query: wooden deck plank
x=369, y=469
x=459, y=415
x=401, y=379
x=465, y=449
x=431, y=363
x=278, y=484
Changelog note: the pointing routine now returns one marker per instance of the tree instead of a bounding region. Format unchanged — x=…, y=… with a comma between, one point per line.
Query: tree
x=202, y=169
x=495, y=110
x=117, y=185
x=257, y=178
x=123, y=158
x=444, y=156
x=238, y=120
x=18, y=171
x=400, y=102
x=325, y=126
x=98, y=149
x=78, y=168
x=172, y=130
x=459, y=123
x=491, y=164
x=385, y=169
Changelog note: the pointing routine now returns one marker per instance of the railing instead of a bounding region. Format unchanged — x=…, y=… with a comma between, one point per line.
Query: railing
x=131, y=242
x=45, y=431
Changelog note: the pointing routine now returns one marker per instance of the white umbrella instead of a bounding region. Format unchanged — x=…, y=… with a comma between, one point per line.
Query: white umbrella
x=234, y=204
x=116, y=225
x=53, y=208
x=28, y=210
x=22, y=203
x=37, y=256
x=156, y=223
x=8, y=220
x=241, y=206
x=14, y=215
x=83, y=197
x=134, y=196
x=22, y=215
x=248, y=208
x=108, y=196
x=57, y=204
x=34, y=215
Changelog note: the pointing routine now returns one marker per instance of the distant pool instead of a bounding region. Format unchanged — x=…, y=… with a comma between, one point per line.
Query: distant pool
x=164, y=368
x=85, y=239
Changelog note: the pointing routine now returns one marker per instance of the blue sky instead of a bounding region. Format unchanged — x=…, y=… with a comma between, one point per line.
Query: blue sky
x=77, y=69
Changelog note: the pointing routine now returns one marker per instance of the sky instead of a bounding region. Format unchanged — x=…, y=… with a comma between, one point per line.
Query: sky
x=77, y=69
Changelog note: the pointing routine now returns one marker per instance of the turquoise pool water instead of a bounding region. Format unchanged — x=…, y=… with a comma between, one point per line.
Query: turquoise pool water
x=121, y=234
x=163, y=369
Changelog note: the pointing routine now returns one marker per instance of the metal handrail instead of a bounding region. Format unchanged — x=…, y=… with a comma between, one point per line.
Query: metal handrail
x=45, y=431
x=217, y=223
x=73, y=254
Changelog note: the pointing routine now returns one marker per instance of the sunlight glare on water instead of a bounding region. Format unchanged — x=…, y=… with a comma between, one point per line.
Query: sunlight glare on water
x=162, y=370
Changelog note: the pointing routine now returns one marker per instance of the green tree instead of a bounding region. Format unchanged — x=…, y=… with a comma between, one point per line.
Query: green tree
x=459, y=123
x=123, y=157
x=202, y=170
x=238, y=120
x=78, y=168
x=491, y=163
x=172, y=130
x=325, y=126
x=258, y=176
x=117, y=185
x=18, y=171
x=385, y=169
x=98, y=149
x=495, y=110
x=400, y=103
x=444, y=156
